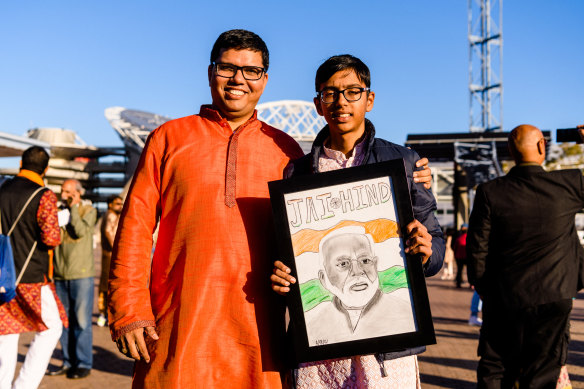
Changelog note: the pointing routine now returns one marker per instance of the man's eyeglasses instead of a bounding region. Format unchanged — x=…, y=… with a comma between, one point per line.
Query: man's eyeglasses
x=227, y=70
x=328, y=96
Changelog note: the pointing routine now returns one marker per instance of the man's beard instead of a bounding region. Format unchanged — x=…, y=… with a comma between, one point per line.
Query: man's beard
x=352, y=296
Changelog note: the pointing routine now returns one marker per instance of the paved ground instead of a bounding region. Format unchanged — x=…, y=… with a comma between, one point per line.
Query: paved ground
x=451, y=363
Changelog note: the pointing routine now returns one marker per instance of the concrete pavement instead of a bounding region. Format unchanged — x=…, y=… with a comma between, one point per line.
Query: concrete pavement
x=451, y=363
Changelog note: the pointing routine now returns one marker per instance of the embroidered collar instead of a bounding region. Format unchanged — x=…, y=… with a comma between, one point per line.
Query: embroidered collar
x=210, y=112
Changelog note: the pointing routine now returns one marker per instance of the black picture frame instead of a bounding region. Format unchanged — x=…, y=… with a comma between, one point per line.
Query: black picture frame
x=292, y=200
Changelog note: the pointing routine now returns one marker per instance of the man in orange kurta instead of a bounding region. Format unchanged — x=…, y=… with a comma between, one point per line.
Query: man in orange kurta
x=200, y=313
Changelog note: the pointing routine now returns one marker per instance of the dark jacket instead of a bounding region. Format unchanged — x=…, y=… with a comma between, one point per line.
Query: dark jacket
x=13, y=195
x=423, y=202
x=522, y=244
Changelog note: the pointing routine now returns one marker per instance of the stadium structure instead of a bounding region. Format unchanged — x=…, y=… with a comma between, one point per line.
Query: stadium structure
x=106, y=170
x=71, y=157
x=133, y=127
x=297, y=118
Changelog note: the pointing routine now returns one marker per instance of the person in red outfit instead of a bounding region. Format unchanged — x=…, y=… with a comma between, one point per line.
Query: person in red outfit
x=199, y=310
x=459, y=248
x=36, y=306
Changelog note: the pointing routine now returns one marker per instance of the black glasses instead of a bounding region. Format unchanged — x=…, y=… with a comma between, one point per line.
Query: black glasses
x=328, y=96
x=227, y=70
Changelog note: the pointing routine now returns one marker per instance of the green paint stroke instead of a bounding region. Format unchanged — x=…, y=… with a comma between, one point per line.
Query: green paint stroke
x=392, y=279
x=313, y=293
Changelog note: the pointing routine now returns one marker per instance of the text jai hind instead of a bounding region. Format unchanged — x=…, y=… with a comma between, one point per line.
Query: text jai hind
x=324, y=205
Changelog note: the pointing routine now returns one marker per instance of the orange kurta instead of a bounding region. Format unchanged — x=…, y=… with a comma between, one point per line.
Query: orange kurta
x=207, y=288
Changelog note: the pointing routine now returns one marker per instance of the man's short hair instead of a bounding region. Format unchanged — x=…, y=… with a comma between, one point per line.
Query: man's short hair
x=340, y=63
x=112, y=198
x=36, y=159
x=241, y=40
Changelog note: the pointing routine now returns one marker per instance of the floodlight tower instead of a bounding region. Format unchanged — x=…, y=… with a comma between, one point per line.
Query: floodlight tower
x=485, y=38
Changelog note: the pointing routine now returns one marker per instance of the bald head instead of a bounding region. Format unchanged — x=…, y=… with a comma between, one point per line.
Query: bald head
x=527, y=144
x=71, y=192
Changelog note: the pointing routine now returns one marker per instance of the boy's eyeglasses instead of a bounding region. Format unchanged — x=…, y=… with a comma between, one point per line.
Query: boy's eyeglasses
x=328, y=96
x=227, y=70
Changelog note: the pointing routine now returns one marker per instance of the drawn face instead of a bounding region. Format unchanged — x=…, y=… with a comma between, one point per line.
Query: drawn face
x=350, y=269
x=237, y=97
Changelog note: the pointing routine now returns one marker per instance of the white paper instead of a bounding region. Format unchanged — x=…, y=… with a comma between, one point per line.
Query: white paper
x=64, y=216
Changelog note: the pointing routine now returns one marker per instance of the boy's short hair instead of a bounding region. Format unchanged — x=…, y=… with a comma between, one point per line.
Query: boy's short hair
x=339, y=63
x=36, y=159
x=241, y=40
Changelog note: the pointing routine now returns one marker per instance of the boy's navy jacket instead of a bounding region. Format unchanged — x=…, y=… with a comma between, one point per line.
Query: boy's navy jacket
x=423, y=202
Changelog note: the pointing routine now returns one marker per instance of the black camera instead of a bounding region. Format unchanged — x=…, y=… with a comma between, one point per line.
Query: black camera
x=568, y=135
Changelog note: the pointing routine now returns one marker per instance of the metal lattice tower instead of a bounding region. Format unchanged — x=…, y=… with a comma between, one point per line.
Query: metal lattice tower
x=485, y=37
x=297, y=118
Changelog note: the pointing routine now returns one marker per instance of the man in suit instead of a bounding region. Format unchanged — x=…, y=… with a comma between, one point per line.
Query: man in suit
x=523, y=258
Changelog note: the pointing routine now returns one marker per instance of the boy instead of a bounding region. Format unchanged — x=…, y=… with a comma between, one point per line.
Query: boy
x=343, y=98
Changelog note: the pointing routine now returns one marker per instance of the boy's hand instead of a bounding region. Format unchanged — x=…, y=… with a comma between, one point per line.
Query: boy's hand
x=418, y=241
x=281, y=278
x=423, y=176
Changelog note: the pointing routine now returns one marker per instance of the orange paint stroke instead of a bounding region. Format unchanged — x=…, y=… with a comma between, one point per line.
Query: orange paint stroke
x=309, y=240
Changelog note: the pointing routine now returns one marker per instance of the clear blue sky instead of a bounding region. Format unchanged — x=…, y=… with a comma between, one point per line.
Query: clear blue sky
x=63, y=62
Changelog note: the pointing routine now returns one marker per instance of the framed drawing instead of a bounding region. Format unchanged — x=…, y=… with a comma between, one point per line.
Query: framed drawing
x=357, y=292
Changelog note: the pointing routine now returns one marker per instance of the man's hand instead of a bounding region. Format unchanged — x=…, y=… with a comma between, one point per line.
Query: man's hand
x=580, y=129
x=423, y=176
x=132, y=343
x=281, y=278
x=76, y=199
x=418, y=241
x=71, y=200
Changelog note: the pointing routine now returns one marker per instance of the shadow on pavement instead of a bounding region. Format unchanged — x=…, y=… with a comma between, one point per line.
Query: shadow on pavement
x=452, y=287
x=576, y=378
x=103, y=360
x=447, y=320
x=110, y=362
x=452, y=362
x=20, y=357
x=446, y=382
x=456, y=334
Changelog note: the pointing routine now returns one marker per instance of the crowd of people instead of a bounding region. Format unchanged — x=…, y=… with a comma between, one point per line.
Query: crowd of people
x=201, y=185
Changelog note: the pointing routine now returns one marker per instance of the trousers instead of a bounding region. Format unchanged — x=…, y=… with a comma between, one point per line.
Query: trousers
x=476, y=304
x=528, y=345
x=77, y=340
x=39, y=352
